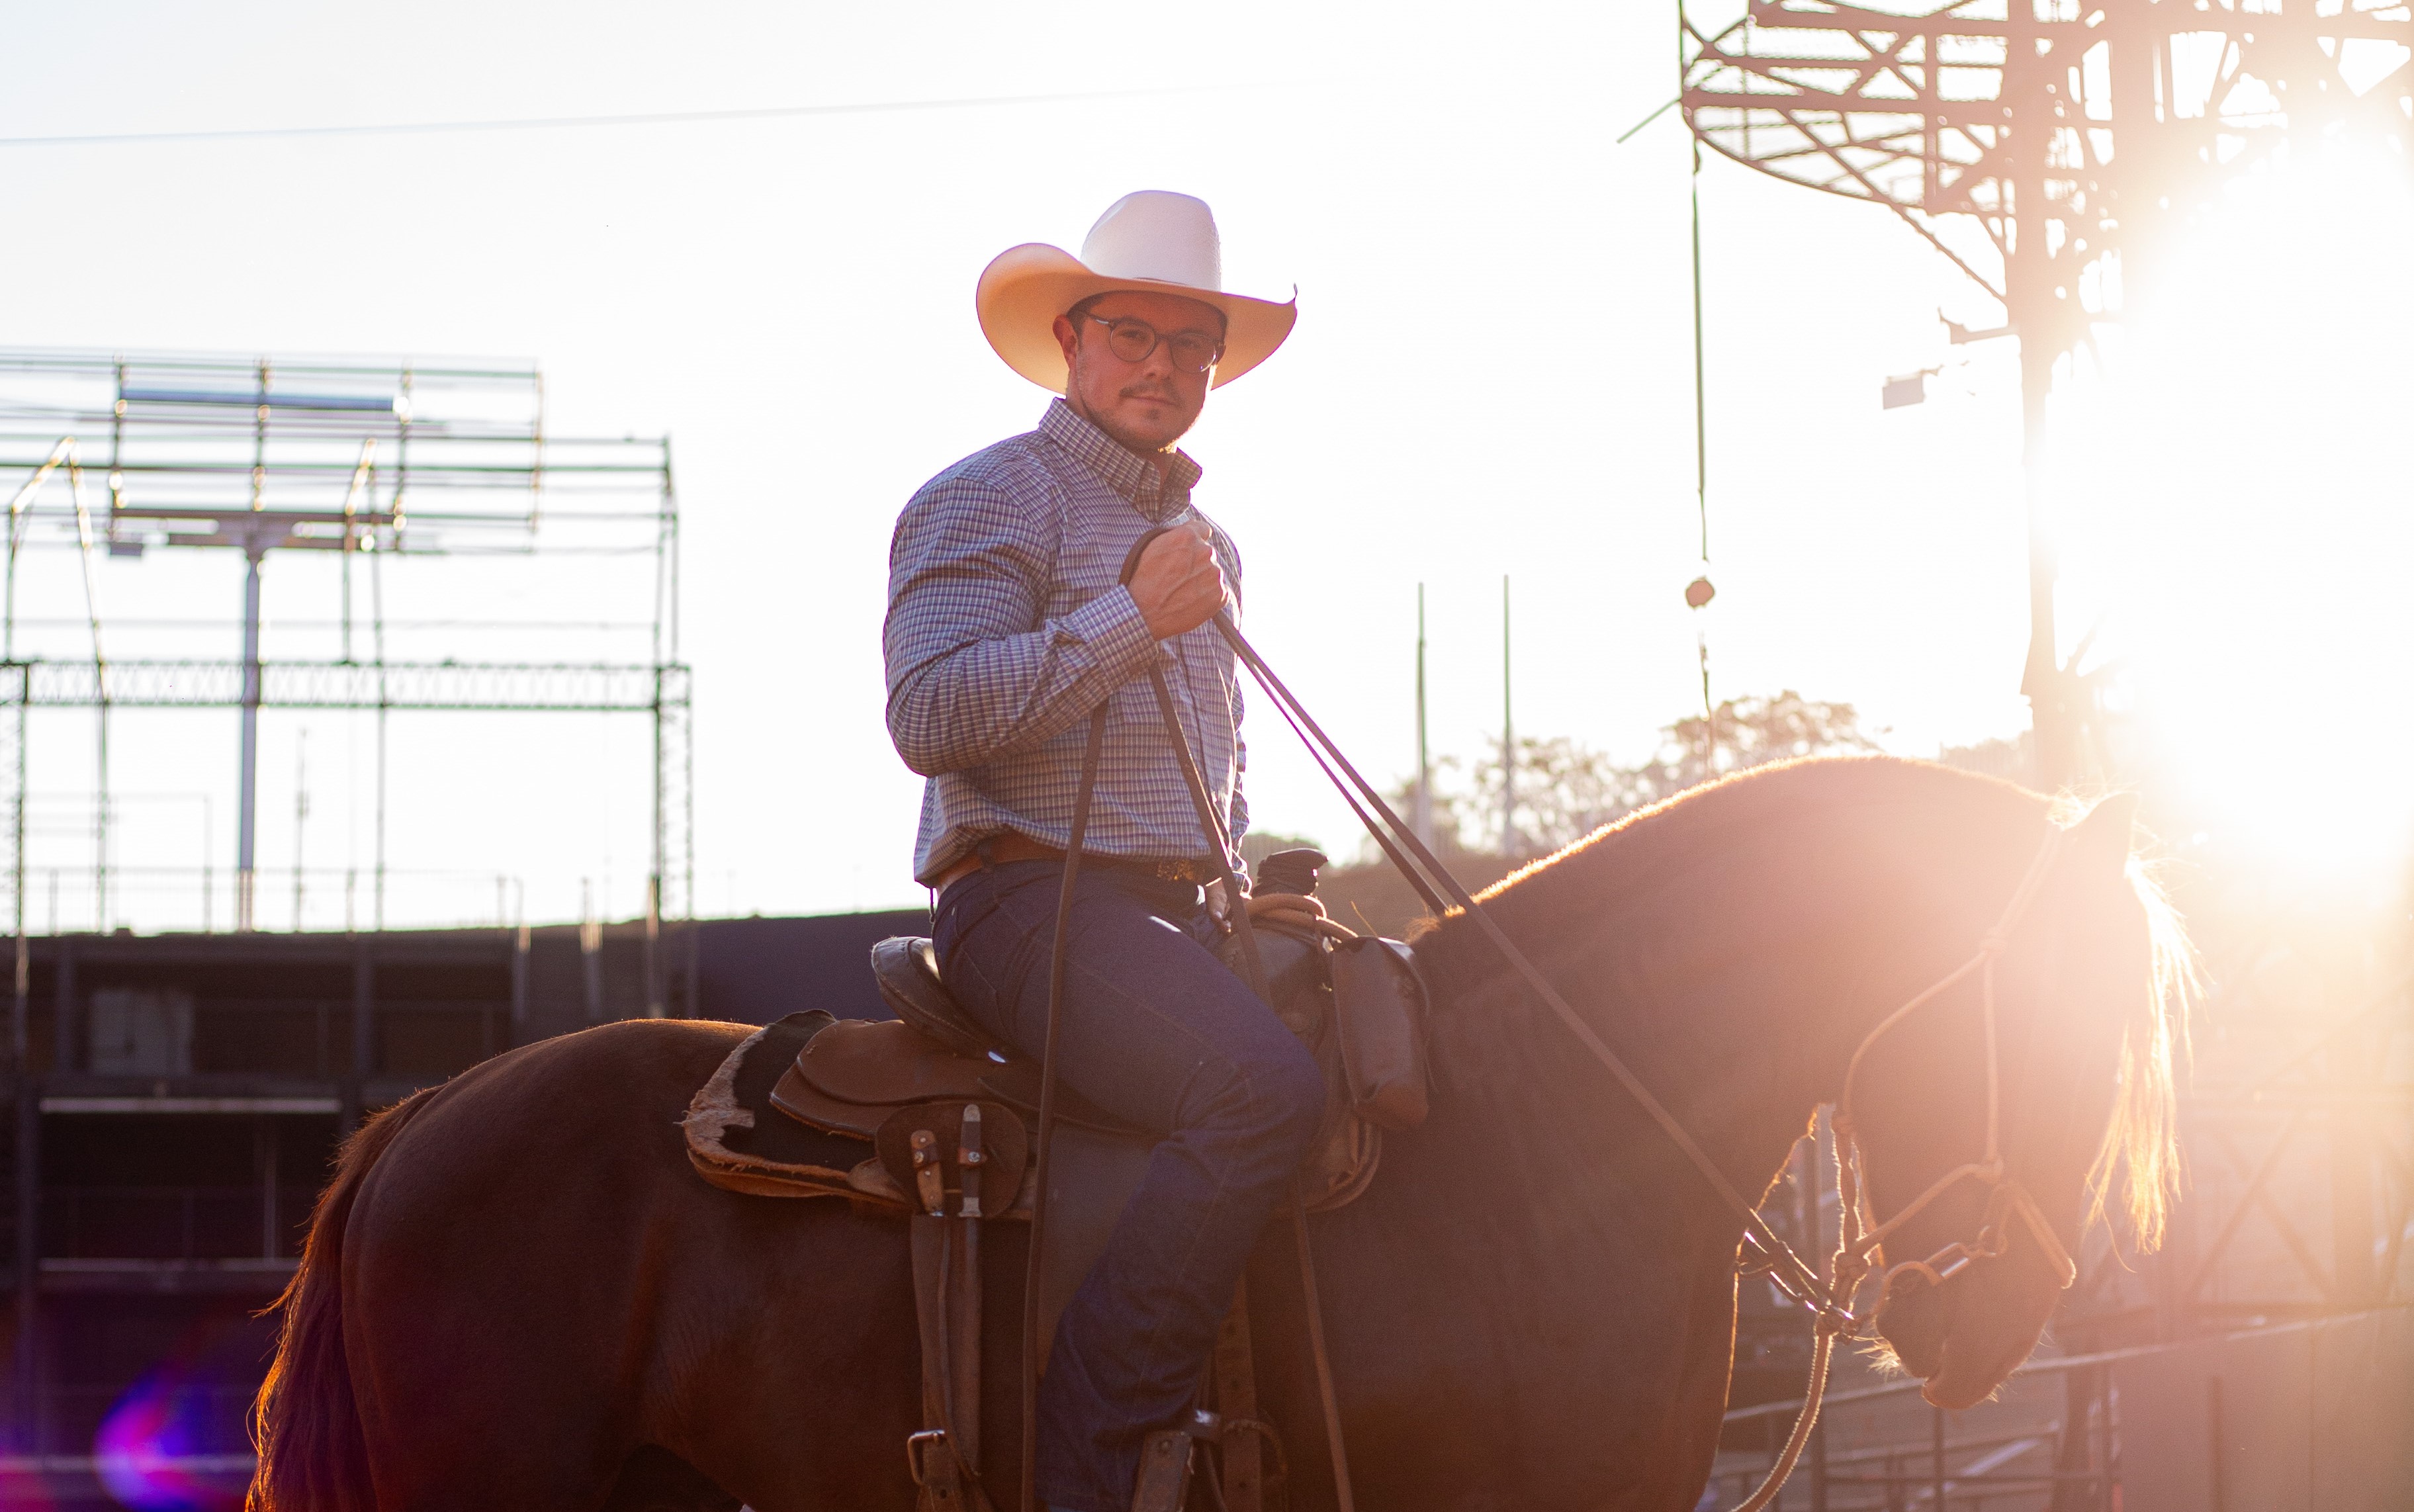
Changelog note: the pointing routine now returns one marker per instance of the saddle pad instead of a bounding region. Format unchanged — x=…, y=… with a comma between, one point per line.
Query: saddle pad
x=736, y=1141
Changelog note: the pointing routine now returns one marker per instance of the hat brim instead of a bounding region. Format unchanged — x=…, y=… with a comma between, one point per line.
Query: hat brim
x=1025, y=288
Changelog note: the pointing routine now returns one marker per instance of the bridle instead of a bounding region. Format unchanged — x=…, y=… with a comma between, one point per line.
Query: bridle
x=1858, y=1242
x=1859, y=1247
x=1829, y=1298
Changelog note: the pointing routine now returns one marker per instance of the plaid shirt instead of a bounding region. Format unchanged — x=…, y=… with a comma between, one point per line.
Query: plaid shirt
x=1008, y=626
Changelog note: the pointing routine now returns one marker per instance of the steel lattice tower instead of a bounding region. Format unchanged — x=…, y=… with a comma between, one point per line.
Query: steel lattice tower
x=2073, y=137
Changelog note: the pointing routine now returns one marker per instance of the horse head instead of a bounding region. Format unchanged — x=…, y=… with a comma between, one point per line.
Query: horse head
x=2085, y=984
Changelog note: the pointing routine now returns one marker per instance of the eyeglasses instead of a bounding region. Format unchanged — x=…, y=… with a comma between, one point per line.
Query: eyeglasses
x=1132, y=339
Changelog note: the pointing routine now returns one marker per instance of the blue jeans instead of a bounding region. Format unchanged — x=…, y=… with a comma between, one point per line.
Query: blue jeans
x=1158, y=1032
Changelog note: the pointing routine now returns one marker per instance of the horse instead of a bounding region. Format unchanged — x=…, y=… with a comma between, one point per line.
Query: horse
x=516, y=1292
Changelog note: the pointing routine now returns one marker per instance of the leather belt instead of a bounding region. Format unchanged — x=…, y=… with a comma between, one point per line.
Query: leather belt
x=1009, y=846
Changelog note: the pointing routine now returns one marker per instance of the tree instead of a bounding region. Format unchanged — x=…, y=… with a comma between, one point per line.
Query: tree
x=1566, y=790
x=1748, y=733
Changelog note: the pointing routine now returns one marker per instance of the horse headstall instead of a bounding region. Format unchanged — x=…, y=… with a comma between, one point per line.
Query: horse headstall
x=1860, y=1243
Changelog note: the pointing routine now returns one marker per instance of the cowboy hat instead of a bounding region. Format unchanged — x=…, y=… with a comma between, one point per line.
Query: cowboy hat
x=1152, y=242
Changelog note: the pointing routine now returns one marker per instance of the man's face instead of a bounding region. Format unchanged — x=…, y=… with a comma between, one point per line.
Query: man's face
x=1146, y=405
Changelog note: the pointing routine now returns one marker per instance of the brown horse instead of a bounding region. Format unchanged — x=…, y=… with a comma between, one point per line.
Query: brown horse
x=517, y=1294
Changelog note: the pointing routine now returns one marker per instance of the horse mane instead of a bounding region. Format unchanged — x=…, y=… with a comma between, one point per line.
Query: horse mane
x=1547, y=897
x=2142, y=1145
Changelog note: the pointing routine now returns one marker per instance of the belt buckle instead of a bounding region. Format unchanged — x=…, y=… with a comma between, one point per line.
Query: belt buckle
x=1178, y=869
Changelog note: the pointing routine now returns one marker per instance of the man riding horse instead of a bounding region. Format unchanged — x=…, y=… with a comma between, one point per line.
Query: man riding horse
x=1008, y=624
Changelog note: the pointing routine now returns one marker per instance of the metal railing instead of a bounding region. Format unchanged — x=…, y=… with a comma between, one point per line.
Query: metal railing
x=189, y=1223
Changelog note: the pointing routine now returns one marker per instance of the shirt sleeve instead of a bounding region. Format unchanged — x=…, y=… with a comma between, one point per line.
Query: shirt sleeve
x=973, y=672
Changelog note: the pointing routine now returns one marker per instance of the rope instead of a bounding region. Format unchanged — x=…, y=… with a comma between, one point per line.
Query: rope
x=1047, y=1129
x=1828, y=1300
x=1856, y=1240
x=1800, y=1280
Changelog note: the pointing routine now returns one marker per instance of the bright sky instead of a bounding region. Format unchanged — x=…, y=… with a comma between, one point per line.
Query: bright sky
x=1492, y=374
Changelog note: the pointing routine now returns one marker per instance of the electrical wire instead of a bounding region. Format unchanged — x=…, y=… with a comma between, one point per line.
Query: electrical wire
x=555, y=123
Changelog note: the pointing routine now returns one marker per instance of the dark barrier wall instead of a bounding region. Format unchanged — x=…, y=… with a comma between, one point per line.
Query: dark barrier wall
x=755, y=971
x=170, y=1198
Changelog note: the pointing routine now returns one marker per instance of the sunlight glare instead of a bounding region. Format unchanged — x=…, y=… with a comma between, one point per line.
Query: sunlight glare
x=2235, y=514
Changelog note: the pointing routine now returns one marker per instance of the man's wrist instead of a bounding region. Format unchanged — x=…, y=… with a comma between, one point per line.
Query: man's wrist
x=1115, y=630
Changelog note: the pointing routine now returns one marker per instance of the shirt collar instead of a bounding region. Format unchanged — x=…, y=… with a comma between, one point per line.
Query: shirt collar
x=1128, y=473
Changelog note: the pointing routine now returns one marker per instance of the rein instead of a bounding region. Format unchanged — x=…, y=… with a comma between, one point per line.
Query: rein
x=1860, y=1242
x=1828, y=1300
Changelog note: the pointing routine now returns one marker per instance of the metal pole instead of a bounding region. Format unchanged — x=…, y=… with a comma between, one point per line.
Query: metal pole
x=591, y=950
x=2036, y=316
x=27, y=1085
x=248, y=802
x=264, y=1139
x=1936, y=1451
x=20, y=1021
x=1709, y=710
x=1508, y=737
x=376, y=649
x=2042, y=680
x=301, y=816
x=655, y=987
x=654, y=976
x=259, y=443
x=1701, y=404
x=101, y=690
x=1421, y=814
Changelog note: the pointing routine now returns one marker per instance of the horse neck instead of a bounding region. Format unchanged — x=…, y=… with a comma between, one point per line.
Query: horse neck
x=1559, y=1271
x=1732, y=951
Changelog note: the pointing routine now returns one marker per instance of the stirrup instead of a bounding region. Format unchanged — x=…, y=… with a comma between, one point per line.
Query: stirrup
x=1165, y=1460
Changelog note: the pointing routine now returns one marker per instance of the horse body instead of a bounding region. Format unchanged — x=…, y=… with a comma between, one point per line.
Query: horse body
x=1532, y=1308
x=535, y=1284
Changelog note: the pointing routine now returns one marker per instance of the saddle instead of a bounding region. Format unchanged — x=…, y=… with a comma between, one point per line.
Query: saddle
x=950, y=1115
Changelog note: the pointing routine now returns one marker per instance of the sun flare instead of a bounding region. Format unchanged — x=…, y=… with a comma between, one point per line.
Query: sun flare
x=2234, y=498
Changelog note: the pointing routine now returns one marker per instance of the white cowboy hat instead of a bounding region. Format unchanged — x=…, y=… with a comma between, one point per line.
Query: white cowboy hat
x=1151, y=241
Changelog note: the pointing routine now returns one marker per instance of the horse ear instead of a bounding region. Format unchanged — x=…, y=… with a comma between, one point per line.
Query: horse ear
x=2106, y=830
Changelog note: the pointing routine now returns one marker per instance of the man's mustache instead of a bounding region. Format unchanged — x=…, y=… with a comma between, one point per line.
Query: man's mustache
x=1148, y=392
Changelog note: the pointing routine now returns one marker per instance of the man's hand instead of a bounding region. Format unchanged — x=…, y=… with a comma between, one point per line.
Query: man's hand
x=1178, y=585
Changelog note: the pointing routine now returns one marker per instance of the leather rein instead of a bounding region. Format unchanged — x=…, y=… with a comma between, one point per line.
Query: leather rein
x=1860, y=1241
x=1858, y=1250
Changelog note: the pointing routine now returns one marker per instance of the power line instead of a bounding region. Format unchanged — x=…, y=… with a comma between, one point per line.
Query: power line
x=554, y=123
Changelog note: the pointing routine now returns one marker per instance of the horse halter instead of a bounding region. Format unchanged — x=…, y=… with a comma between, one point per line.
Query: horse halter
x=1859, y=1244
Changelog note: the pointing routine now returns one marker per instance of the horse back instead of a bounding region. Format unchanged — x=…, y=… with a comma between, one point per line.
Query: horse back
x=539, y=1287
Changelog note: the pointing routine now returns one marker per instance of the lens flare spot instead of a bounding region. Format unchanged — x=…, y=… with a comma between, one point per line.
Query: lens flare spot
x=151, y=1451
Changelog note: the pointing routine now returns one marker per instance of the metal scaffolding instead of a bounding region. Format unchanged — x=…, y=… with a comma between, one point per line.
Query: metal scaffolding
x=368, y=459
x=2049, y=148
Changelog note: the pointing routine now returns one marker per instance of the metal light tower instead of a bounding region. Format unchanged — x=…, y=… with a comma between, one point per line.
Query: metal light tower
x=378, y=463
x=2049, y=148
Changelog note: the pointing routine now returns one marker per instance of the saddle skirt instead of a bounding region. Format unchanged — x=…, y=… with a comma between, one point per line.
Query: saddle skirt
x=849, y=1079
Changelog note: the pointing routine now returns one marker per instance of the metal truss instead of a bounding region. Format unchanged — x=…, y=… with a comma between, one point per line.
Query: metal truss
x=2077, y=124
x=368, y=459
x=2322, y=1129
x=2299, y=1135
x=561, y=687
x=2074, y=135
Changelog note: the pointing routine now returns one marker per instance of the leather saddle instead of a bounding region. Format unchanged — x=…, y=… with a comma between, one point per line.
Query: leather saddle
x=950, y=1115
x=857, y=1075
x=852, y=1075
